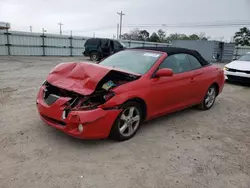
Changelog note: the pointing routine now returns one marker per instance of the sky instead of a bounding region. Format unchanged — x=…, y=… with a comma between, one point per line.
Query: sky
x=85, y=17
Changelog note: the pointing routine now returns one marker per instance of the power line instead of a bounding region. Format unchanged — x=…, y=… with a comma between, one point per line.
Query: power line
x=213, y=24
x=94, y=29
x=201, y=23
x=216, y=24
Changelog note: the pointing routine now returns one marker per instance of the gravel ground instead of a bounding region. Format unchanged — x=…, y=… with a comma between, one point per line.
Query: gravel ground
x=190, y=148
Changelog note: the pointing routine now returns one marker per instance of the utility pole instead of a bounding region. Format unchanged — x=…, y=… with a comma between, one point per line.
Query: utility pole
x=44, y=31
x=71, y=33
x=94, y=35
x=60, y=24
x=117, y=34
x=30, y=28
x=120, y=14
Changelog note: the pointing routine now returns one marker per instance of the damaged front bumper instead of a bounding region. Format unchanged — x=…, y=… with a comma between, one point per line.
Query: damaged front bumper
x=87, y=124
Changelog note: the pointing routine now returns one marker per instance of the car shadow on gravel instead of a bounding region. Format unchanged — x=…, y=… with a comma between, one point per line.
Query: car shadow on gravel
x=63, y=138
x=171, y=116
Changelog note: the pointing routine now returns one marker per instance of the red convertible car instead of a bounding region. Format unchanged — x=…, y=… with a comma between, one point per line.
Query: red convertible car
x=112, y=98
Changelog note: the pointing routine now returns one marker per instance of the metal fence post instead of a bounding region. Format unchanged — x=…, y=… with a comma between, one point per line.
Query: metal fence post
x=8, y=41
x=71, y=46
x=43, y=43
x=129, y=44
x=236, y=55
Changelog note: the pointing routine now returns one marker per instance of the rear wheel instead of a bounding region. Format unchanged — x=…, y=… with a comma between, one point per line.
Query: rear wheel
x=209, y=99
x=95, y=56
x=127, y=123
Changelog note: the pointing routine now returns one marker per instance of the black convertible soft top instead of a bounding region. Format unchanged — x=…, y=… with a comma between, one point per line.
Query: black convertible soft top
x=173, y=50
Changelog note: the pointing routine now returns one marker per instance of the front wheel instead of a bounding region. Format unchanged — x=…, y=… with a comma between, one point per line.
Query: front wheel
x=209, y=99
x=127, y=123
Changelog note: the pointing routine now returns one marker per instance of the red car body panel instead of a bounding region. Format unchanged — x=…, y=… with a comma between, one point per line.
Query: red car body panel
x=161, y=95
x=168, y=94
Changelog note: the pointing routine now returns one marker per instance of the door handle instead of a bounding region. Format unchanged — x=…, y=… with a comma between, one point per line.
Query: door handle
x=192, y=79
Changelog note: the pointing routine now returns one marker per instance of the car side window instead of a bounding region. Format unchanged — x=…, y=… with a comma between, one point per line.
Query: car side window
x=195, y=64
x=104, y=43
x=178, y=63
x=92, y=42
x=117, y=46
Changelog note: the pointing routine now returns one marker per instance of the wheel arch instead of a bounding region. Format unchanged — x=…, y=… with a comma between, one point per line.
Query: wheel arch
x=217, y=87
x=142, y=104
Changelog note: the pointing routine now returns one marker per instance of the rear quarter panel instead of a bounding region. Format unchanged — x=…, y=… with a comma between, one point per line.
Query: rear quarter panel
x=211, y=74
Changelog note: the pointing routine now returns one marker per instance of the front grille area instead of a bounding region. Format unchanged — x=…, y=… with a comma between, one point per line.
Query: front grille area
x=238, y=79
x=52, y=93
x=54, y=121
x=235, y=70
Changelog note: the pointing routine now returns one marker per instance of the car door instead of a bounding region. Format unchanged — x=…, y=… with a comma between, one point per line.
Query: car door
x=105, y=46
x=172, y=93
x=198, y=81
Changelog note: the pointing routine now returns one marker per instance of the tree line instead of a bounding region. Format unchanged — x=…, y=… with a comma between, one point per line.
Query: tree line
x=241, y=37
x=161, y=36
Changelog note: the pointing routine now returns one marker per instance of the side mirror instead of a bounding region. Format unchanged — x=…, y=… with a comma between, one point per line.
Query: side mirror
x=164, y=73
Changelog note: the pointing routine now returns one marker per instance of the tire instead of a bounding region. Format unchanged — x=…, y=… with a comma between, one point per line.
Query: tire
x=95, y=56
x=118, y=132
x=209, y=98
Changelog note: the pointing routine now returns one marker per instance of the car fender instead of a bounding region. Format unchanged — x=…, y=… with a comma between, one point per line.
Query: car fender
x=127, y=92
x=216, y=75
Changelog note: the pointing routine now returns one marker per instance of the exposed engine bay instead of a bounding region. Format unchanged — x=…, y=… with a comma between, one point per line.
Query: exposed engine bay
x=103, y=92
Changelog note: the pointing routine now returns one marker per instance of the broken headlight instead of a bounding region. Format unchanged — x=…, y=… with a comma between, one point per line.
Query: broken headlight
x=44, y=82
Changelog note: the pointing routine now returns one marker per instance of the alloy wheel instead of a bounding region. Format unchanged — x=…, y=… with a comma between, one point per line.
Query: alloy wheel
x=210, y=97
x=129, y=121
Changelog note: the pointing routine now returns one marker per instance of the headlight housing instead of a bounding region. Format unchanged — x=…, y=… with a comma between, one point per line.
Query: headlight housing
x=92, y=102
x=226, y=69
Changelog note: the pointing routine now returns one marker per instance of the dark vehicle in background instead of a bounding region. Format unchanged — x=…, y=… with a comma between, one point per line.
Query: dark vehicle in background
x=98, y=48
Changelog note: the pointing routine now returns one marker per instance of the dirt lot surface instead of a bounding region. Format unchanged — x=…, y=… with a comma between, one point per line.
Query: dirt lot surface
x=190, y=148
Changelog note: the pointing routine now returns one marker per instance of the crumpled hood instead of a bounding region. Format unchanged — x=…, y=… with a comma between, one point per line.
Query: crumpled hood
x=239, y=65
x=81, y=78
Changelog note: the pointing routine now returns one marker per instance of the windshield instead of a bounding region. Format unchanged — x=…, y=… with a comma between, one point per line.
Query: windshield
x=132, y=60
x=245, y=57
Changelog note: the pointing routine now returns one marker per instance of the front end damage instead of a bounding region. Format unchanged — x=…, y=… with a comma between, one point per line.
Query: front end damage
x=80, y=115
